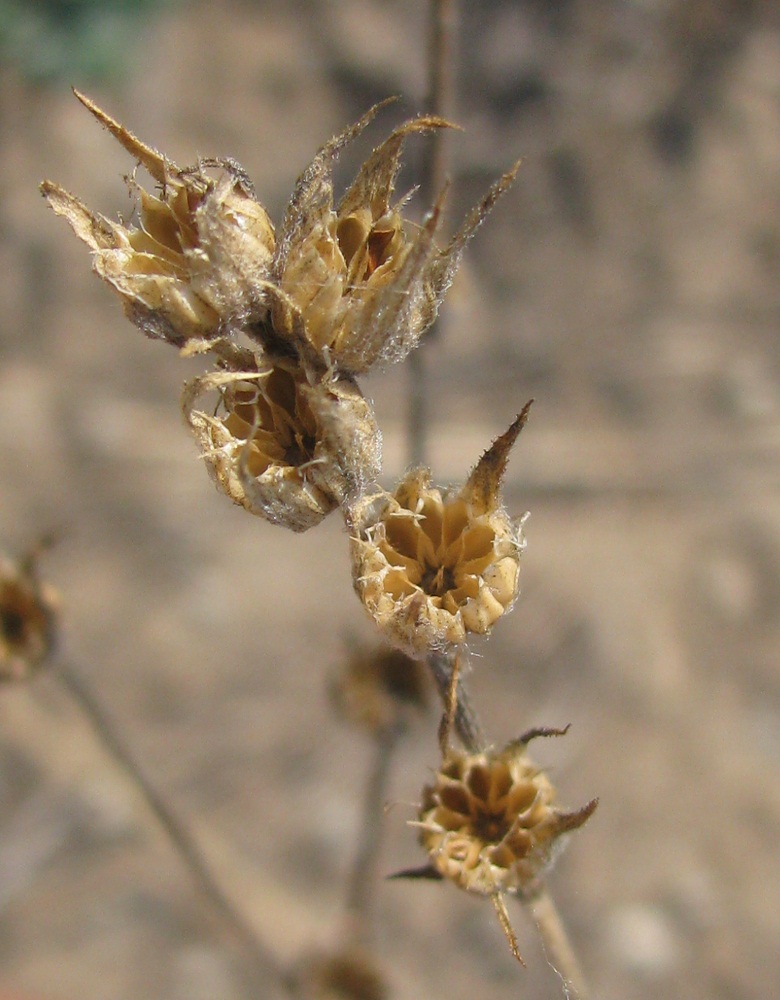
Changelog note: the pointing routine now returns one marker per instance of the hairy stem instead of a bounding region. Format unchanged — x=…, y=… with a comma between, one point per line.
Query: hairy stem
x=467, y=724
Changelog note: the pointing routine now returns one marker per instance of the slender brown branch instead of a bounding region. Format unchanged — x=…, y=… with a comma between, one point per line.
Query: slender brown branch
x=265, y=970
x=439, y=99
x=557, y=946
x=361, y=889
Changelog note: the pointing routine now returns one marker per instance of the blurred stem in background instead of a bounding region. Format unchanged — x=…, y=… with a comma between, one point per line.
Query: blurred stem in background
x=442, y=27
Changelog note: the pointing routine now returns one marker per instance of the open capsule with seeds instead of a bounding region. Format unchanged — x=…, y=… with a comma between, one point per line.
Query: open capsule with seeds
x=358, y=284
x=286, y=445
x=195, y=263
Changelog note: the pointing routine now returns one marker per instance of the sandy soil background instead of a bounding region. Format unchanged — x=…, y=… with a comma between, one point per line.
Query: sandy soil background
x=630, y=284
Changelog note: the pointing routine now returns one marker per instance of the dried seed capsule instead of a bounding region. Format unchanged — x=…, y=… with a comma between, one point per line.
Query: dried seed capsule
x=285, y=447
x=198, y=260
x=28, y=614
x=490, y=822
x=431, y=566
x=359, y=284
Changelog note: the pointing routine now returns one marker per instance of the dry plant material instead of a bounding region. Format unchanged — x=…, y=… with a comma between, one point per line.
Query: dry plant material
x=490, y=822
x=378, y=687
x=197, y=260
x=291, y=436
x=431, y=567
x=285, y=432
x=345, y=975
x=359, y=284
x=28, y=618
x=287, y=446
x=346, y=287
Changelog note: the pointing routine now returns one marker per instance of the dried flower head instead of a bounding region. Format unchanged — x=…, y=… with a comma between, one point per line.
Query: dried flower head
x=345, y=975
x=28, y=614
x=378, y=686
x=359, y=284
x=431, y=567
x=285, y=446
x=197, y=260
x=490, y=822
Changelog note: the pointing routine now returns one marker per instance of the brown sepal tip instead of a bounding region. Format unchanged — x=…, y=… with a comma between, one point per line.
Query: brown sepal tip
x=483, y=483
x=537, y=731
x=424, y=872
x=574, y=820
x=151, y=159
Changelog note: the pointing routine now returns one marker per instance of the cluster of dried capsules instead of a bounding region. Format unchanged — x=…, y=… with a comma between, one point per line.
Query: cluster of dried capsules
x=290, y=318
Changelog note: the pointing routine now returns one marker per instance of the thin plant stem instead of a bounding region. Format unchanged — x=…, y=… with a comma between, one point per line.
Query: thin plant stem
x=265, y=970
x=450, y=708
x=467, y=725
x=440, y=62
x=557, y=945
x=361, y=889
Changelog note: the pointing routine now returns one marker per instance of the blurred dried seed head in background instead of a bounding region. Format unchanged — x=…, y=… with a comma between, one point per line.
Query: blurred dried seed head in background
x=28, y=617
x=379, y=687
x=344, y=975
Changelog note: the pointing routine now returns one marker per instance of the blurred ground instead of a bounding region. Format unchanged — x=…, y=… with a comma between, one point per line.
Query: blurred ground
x=629, y=283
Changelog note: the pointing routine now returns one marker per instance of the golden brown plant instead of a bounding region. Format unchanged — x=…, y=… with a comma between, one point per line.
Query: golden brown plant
x=490, y=821
x=196, y=264
x=340, y=289
x=286, y=445
x=287, y=321
x=430, y=566
x=359, y=284
x=491, y=824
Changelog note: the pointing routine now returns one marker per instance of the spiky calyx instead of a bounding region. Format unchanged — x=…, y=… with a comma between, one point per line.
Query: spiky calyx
x=197, y=262
x=490, y=822
x=432, y=566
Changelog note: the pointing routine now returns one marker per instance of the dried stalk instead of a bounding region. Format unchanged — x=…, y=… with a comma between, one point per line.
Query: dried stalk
x=467, y=724
x=557, y=945
x=361, y=890
x=265, y=971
